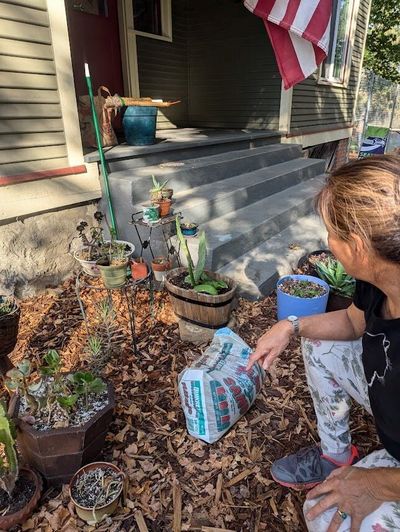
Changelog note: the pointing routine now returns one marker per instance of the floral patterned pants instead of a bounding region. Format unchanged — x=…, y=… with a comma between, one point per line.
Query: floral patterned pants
x=335, y=376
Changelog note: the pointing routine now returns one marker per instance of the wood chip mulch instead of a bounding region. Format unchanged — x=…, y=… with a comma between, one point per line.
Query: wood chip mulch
x=176, y=482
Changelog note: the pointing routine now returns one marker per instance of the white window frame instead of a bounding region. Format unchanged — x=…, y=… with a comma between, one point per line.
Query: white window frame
x=166, y=24
x=350, y=33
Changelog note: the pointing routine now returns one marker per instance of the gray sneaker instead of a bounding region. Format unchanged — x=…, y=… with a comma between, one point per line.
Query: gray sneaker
x=307, y=468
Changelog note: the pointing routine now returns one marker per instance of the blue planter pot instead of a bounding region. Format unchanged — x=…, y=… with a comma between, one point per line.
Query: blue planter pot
x=139, y=125
x=299, y=306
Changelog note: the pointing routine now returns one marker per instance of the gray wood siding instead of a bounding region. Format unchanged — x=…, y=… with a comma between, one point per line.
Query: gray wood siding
x=316, y=107
x=233, y=78
x=31, y=126
x=163, y=69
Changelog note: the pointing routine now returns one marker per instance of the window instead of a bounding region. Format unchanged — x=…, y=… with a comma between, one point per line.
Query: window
x=152, y=18
x=335, y=68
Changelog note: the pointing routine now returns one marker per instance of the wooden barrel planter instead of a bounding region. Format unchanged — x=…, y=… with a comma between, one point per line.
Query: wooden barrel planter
x=201, y=309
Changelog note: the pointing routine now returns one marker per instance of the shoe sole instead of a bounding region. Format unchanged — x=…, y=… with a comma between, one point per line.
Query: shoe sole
x=297, y=487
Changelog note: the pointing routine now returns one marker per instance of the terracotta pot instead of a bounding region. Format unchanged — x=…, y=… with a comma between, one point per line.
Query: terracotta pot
x=113, y=276
x=160, y=266
x=204, y=310
x=88, y=514
x=165, y=207
x=9, y=330
x=167, y=193
x=58, y=453
x=11, y=520
x=139, y=268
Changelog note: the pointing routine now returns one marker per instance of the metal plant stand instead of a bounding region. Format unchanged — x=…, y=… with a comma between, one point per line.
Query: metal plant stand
x=162, y=223
x=128, y=293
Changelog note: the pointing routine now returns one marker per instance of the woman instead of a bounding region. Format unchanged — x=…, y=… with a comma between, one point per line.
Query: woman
x=353, y=353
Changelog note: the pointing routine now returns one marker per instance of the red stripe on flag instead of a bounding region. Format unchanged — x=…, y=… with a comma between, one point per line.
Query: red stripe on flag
x=318, y=22
x=319, y=54
x=285, y=54
x=290, y=14
x=263, y=8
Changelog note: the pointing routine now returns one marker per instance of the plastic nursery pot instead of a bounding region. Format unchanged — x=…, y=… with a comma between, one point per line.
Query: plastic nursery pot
x=139, y=269
x=113, y=276
x=189, y=229
x=167, y=193
x=151, y=213
x=160, y=265
x=90, y=515
x=301, y=306
x=9, y=329
x=19, y=517
x=165, y=207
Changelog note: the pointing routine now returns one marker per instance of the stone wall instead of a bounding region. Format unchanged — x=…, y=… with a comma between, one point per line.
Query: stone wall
x=34, y=251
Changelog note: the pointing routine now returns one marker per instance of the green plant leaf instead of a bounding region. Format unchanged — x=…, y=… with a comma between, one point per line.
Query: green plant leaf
x=202, y=255
x=67, y=401
x=185, y=247
x=207, y=288
x=24, y=367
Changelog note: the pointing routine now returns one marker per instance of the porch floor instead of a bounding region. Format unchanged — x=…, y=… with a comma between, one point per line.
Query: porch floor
x=171, y=139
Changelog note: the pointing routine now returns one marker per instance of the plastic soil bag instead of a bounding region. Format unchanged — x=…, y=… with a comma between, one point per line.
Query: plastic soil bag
x=217, y=390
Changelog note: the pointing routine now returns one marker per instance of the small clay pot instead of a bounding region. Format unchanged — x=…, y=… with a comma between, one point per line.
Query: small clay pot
x=113, y=276
x=165, y=207
x=11, y=520
x=139, y=269
x=89, y=515
x=167, y=193
x=160, y=266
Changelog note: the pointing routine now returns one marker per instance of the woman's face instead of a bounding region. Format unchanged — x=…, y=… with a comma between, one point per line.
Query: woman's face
x=345, y=253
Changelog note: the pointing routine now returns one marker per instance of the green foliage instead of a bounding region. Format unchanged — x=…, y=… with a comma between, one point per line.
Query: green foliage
x=157, y=186
x=7, y=305
x=9, y=466
x=53, y=364
x=334, y=274
x=197, y=278
x=382, y=54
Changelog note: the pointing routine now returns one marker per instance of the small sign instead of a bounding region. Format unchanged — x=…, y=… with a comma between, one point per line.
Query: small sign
x=374, y=142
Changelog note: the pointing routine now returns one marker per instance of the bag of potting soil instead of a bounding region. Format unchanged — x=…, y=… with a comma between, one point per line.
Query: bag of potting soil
x=217, y=390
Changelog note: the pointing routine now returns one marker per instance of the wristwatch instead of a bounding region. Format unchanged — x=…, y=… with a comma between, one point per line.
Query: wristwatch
x=294, y=320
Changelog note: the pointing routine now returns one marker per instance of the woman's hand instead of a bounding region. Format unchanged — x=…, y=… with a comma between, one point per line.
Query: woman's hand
x=353, y=490
x=271, y=344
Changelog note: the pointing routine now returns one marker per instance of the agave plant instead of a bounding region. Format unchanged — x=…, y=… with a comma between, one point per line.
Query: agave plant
x=9, y=460
x=197, y=278
x=340, y=282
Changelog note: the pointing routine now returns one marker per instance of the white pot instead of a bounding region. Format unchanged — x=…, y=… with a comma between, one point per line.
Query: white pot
x=90, y=266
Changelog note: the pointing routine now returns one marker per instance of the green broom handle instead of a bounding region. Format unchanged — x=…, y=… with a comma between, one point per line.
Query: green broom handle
x=100, y=148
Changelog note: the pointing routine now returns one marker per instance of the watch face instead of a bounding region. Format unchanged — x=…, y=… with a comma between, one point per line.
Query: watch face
x=292, y=318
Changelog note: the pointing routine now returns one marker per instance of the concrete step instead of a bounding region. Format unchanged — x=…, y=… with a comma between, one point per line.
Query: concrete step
x=257, y=271
x=184, y=175
x=233, y=234
x=203, y=203
x=181, y=144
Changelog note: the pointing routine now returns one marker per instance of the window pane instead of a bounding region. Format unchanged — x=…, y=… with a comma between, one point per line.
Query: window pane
x=147, y=16
x=342, y=39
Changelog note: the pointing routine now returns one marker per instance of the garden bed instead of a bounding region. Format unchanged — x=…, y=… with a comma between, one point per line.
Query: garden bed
x=174, y=481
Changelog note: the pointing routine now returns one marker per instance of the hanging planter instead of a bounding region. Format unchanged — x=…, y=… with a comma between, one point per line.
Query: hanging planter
x=301, y=295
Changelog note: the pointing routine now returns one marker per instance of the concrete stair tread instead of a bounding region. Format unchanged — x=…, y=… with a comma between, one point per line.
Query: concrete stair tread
x=165, y=170
x=257, y=271
x=234, y=224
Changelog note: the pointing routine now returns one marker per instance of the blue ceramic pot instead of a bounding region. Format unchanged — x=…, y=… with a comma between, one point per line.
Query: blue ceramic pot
x=300, y=306
x=189, y=231
x=139, y=125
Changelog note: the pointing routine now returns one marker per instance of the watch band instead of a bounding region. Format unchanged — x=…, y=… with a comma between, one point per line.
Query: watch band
x=294, y=320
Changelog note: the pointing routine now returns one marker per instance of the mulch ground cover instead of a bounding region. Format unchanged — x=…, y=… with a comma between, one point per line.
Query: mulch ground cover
x=176, y=482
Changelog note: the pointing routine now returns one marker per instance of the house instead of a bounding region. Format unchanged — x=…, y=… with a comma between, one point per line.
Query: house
x=234, y=121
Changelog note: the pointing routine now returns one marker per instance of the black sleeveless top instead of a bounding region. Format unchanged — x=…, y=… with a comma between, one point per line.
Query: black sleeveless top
x=381, y=361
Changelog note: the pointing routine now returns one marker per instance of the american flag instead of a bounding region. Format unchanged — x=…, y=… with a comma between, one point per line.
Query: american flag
x=299, y=33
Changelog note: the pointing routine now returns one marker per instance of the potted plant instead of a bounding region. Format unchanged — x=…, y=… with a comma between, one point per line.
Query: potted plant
x=301, y=295
x=95, y=490
x=164, y=206
x=151, y=213
x=160, y=266
x=93, y=244
x=113, y=265
x=197, y=295
x=189, y=228
x=20, y=488
x=9, y=321
x=159, y=190
x=62, y=418
x=307, y=263
x=341, y=284
x=139, y=268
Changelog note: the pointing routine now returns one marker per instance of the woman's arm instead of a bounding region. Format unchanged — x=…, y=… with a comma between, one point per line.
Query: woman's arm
x=346, y=324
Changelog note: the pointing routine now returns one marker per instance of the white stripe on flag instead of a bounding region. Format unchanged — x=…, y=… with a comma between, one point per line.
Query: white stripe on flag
x=324, y=42
x=251, y=4
x=305, y=54
x=278, y=11
x=304, y=15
